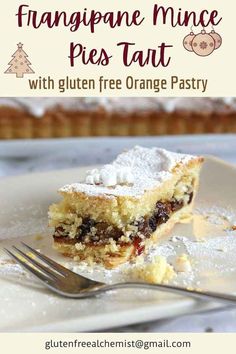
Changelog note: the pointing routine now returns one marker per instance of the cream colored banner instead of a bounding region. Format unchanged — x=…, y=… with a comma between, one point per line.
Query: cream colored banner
x=120, y=342
x=117, y=48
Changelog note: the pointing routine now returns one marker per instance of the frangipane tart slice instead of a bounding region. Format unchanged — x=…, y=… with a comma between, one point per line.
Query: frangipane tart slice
x=123, y=208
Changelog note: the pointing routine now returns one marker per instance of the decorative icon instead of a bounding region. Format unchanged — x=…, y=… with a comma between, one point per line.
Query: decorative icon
x=19, y=65
x=203, y=43
x=187, y=42
x=217, y=38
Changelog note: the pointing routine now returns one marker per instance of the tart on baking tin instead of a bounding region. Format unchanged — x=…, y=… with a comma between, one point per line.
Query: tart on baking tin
x=123, y=208
x=52, y=117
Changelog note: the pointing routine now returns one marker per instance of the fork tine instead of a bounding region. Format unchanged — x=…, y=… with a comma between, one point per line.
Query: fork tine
x=41, y=267
x=56, y=266
x=28, y=267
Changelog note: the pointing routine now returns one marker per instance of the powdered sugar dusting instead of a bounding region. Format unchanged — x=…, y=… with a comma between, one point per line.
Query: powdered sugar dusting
x=150, y=168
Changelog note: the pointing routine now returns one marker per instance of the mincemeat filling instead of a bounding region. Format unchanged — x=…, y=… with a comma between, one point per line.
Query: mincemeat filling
x=91, y=232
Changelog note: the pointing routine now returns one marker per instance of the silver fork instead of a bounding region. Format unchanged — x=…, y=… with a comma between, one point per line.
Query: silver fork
x=69, y=284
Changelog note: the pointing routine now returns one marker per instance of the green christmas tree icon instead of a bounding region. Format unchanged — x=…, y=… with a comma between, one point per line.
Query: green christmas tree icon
x=19, y=65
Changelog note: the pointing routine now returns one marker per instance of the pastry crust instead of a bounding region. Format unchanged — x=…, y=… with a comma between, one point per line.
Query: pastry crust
x=146, y=117
x=112, y=225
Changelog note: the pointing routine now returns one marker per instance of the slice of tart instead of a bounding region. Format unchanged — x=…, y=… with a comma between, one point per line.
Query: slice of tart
x=122, y=209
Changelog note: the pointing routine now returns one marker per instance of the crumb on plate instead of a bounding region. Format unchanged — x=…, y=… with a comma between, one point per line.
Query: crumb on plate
x=159, y=271
x=183, y=264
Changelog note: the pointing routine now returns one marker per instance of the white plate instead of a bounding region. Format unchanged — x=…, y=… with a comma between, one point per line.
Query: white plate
x=26, y=306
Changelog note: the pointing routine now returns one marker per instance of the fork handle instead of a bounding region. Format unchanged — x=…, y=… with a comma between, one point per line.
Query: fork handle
x=201, y=295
